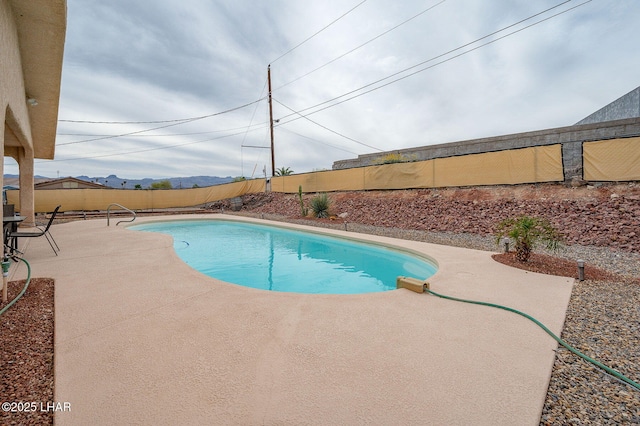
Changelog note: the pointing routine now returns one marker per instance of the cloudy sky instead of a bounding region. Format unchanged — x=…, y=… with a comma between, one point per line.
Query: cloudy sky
x=160, y=88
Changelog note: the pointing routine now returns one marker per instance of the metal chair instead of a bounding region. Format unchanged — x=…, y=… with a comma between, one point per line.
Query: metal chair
x=54, y=246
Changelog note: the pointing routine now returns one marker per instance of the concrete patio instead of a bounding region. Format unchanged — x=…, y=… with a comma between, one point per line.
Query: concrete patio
x=141, y=338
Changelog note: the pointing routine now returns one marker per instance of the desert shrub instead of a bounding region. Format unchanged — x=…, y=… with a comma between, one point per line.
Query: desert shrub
x=320, y=205
x=526, y=232
x=394, y=158
x=163, y=184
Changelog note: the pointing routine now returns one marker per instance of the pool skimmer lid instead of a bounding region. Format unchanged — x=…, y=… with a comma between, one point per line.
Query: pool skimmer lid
x=413, y=284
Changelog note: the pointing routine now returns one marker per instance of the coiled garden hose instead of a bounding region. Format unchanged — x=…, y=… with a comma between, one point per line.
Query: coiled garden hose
x=26, y=285
x=549, y=332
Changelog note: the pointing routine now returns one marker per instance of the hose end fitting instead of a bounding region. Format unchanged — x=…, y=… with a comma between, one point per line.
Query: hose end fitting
x=6, y=263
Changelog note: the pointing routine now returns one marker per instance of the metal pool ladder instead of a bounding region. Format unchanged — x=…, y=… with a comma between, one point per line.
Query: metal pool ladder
x=122, y=207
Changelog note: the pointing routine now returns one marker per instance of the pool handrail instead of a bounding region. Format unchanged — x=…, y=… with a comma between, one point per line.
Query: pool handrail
x=122, y=207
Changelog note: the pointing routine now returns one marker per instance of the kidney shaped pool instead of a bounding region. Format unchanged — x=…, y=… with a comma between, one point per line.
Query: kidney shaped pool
x=278, y=259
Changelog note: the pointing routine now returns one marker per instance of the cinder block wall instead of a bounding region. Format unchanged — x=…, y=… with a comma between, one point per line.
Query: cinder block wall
x=570, y=137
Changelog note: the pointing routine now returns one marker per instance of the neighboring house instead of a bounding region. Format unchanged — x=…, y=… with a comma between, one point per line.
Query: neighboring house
x=32, y=35
x=68, y=183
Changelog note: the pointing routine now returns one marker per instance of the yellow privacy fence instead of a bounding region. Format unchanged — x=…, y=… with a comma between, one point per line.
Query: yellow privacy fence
x=99, y=199
x=526, y=165
x=612, y=160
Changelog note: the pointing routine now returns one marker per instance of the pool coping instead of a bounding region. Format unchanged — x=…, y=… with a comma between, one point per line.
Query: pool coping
x=167, y=344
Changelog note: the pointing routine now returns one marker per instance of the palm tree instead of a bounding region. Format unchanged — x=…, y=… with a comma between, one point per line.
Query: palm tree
x=526, y=232
x=283, y=171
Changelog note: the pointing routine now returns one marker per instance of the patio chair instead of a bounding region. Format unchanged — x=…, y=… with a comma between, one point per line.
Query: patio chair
x=13, y=236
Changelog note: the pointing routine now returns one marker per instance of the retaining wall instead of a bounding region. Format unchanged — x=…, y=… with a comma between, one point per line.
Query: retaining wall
x=571, y=139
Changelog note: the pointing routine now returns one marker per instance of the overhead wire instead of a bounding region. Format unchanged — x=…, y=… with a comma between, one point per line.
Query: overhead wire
x=263, y=147
x=123, y=122
x=245, y=131
x=187, y=120
x=263, y=124
x=431, y=60
x=319, y=31
x=284, y=129
x=190, y=119
x=360, y=46
x=143, y=150
x=173, y=123
x=244, y=138
x=328, y=129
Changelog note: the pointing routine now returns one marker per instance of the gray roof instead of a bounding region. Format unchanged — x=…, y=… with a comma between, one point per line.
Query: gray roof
x=628, y=106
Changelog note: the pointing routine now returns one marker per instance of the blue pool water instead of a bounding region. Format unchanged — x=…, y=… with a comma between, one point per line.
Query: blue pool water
x=277, y=259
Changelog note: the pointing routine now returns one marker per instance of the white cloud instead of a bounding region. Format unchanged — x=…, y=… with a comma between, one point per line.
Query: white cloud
x=163, y=60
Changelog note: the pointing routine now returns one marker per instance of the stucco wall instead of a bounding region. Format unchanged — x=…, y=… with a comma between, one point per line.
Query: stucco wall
x=13, y=106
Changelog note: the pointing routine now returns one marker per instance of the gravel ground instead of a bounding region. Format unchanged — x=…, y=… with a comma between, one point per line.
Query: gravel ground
x=603, y=316
x=26, y=354
x=603, y=321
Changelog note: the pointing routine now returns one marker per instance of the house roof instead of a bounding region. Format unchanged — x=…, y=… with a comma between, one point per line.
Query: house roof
x=68, y=182
x=41, y=26
x=627, y=106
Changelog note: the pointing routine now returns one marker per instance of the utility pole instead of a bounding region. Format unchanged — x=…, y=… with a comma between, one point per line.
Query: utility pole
x=273, y=162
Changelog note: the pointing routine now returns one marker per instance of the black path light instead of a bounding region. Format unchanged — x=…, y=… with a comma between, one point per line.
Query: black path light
x=580, y=270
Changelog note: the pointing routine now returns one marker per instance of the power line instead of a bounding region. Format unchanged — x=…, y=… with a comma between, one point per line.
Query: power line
x=187, y=120
x=362, y=45
x=254, y=113
x=326, y=128
x=144, y=150
x=317, y=141
x=244, y=138
x=318, y=32
x=124, y=122
x=432, y=59
x=164, y=121
x=260, y=125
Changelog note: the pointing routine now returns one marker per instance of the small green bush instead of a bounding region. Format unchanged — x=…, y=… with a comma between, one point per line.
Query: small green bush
x=320, y=206
x=394, y=158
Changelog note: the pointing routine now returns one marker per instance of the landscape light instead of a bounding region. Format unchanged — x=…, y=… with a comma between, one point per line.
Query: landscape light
x=580, y=270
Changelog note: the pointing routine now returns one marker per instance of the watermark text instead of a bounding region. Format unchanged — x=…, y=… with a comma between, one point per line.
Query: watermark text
x=24, y=406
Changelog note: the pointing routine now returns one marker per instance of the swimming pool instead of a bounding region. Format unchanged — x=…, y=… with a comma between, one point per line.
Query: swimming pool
x=278, y=259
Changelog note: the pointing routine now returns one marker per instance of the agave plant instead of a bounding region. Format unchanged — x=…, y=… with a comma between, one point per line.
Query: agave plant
x=526, y=232
x=320, y=205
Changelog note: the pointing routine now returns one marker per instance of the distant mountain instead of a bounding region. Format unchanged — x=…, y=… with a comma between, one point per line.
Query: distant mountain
x=177, y=182
x=14, y=180
x=114, y=181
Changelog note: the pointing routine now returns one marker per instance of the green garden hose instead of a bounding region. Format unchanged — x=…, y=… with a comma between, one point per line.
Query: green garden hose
x=549, y=332
x=26, y=285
